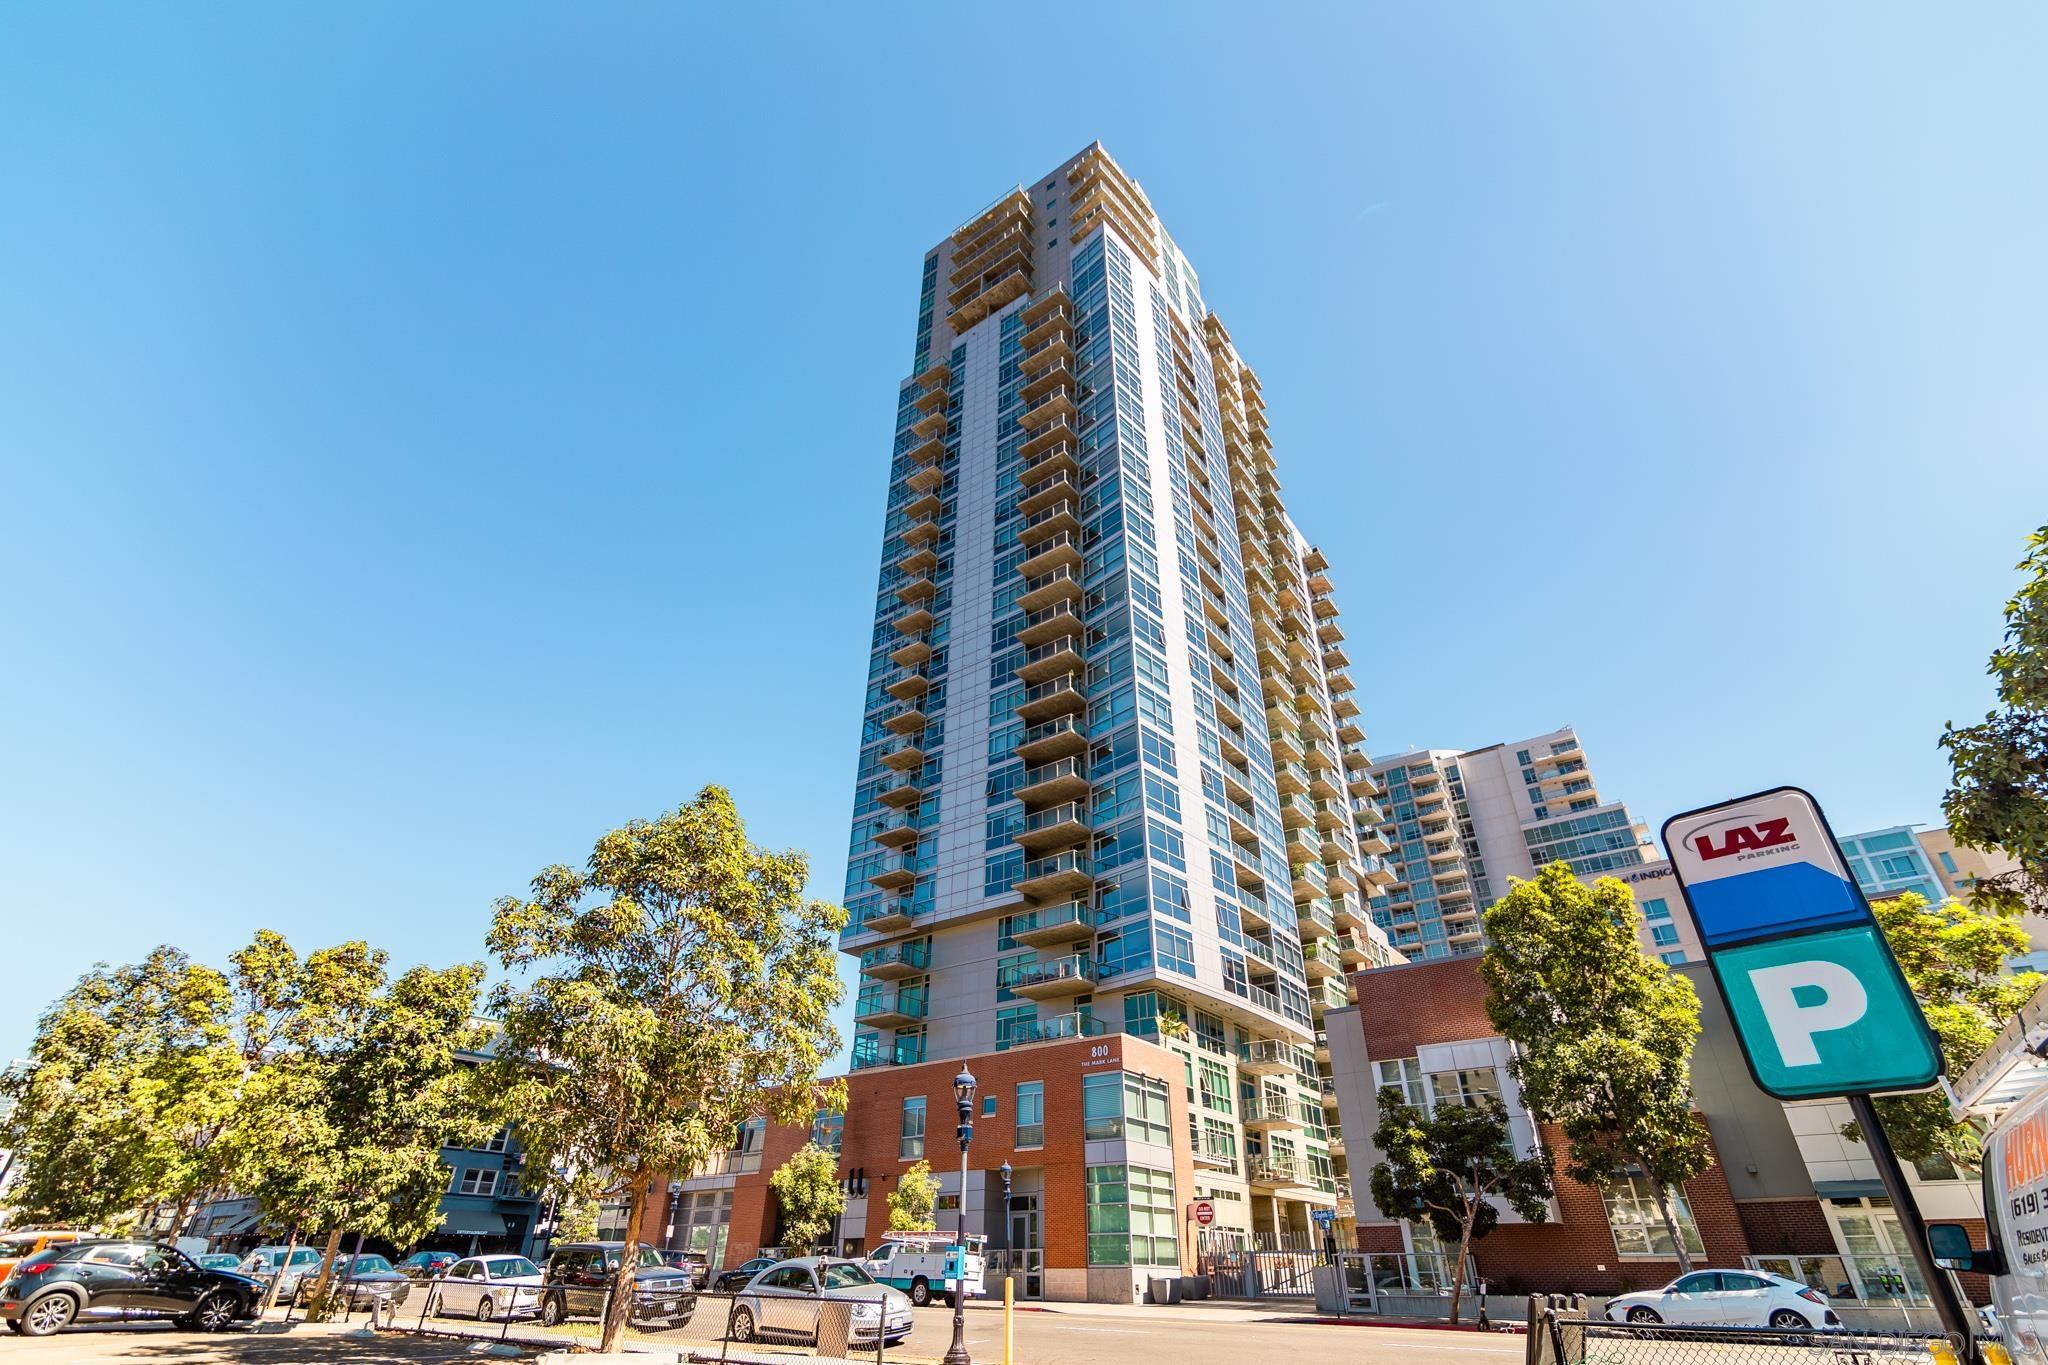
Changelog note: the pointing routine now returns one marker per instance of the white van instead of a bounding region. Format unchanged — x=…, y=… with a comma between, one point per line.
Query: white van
x=2016, y=1218
x=925, y=1265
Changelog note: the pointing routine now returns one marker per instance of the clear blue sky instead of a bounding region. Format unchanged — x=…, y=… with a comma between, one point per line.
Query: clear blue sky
x=431, y=435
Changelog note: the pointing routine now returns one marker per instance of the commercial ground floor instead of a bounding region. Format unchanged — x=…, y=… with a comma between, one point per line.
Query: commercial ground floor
x=1113, y=1143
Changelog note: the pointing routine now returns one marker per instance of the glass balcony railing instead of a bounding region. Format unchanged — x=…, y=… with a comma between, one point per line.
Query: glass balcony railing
x=1076, y=1025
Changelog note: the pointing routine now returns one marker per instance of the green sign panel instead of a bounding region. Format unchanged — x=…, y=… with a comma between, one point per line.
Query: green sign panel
x=1825, y=1014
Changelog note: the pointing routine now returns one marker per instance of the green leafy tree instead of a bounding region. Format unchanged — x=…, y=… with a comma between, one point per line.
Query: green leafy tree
x=1603, y=1033
x=353, y=1089
x=390, y=1101
x=808, y=1191
x=678, y=985
x=912, y=1201
x=1454, y=1168
x=128, y=1083
x=1999, y=795
x=1953, y=956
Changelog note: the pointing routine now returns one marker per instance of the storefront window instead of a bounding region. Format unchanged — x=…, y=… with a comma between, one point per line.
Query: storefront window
x=1131, y=1218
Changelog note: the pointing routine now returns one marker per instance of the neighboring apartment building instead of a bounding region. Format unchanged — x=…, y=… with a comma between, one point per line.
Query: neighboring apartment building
x=1110, y=755
x=1960, y=869
x=1663, y=928
x=1787, y=1192
x=1460, y=824
x=1891, y=862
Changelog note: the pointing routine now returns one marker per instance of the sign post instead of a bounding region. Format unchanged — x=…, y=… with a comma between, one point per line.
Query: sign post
x=1819, y=1003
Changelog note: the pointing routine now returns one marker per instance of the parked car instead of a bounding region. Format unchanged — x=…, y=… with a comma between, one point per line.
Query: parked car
x=579, y=1274
x=218, y=1260
x=269, y=1263
x=1728, y=1298
x=59, y=1286
x=695, y=1262
x=427, y=1265
x=490, y=1287
x=734, y=1280
x=358, y=1282
x=782, y=1302
x=17, y=1246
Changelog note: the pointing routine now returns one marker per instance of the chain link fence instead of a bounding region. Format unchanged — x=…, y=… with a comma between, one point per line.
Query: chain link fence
x=703, y=1326
x=1561, y=1334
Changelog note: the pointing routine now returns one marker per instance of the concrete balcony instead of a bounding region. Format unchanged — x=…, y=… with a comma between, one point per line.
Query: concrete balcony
x=1297, y=812
x=1274, y=1173
x=1273, y=1112
x=1062, y=518
x=886, y=1008
x=906, y=718
x=1347, y=912
x=1047, y=461
x=1065, y=780
x=895, y=961
x=1051, y=659
x=1322, y=958
x=914, y=622
x=1047, y=493
x=902, y=754
x=1052, y=553
x=897, y=831
x=1061, y=876
x=901, y=793
x=898, y=873
x=1268, y=1057
x=1313, y=919
x=911, y=652
x=1050, y=623
x=1060, y=695
x=1059, y=402
x=1062, y=737
x=1054, y=926
x=892, y=916
x=1054, y=828
x=1050, y=589
x=1060, y=979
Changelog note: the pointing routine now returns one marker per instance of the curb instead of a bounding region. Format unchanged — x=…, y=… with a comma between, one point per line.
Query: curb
x=1513, y=1329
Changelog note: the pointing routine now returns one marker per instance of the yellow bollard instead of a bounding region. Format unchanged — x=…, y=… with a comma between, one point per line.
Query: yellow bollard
x=1009, y=1305
x=1941, y=1353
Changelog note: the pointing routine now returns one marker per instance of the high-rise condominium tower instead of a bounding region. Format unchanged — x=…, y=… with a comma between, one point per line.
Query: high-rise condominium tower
x=1461, y=824
x=1104, y=838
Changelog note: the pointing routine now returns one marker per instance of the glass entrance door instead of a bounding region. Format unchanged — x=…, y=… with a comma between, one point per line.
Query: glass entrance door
x=1027, y=1247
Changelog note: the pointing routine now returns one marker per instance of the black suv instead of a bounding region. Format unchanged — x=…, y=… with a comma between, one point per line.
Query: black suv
x=56, y=1287
x=580, y=1273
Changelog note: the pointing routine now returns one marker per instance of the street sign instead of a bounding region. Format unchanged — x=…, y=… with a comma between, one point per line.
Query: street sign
x=1203, y=1212
x=1322, y=1217
x=1819, y=1003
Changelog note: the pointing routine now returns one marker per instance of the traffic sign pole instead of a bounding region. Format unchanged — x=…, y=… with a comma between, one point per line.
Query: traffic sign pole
x=1817, y=999
x=1956, y=1316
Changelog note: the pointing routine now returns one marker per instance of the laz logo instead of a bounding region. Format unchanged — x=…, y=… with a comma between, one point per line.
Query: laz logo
x=1745, y=838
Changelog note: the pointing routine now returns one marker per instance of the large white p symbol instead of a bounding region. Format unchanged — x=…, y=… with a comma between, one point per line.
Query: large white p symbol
x=1793, y=1025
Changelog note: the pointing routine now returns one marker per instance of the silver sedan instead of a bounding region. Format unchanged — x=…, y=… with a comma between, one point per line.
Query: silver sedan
x=489, y=1287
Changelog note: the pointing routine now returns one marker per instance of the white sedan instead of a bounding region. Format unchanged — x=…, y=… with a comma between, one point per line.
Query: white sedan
x=486, y=1287
x=1727, y=1298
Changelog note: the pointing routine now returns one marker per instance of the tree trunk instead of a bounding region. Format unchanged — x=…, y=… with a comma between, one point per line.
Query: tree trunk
x=317, y=1300
x=291, y=1244
x=1663, y=1193
x=181, y=1215
x=1458, y=1266
x=624, y=1278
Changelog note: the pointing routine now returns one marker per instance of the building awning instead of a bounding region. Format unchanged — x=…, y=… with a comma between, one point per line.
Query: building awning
x=473, y=1223
x=1849, y=1189
x=233, y=1226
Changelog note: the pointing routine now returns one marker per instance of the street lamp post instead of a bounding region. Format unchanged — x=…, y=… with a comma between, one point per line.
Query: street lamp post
x=963, y=1093
x=1010, y=1255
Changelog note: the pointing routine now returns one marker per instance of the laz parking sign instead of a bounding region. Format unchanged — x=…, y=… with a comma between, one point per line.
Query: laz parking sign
x=1818, y=1001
